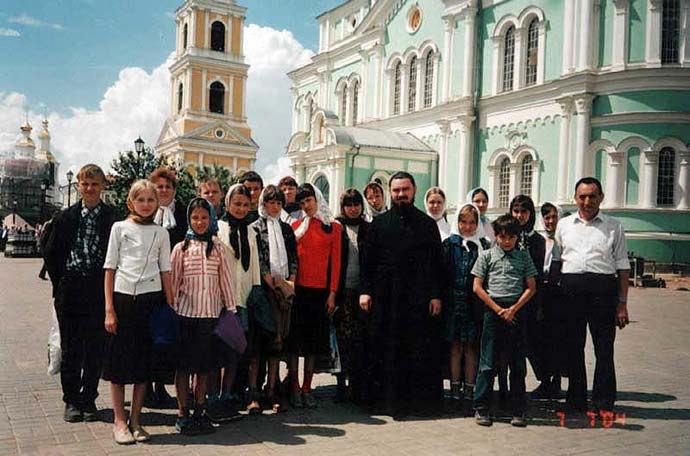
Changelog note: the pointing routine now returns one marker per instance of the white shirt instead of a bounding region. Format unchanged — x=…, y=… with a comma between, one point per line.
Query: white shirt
x=597, y=246
x=138, y=254
x=243, y=281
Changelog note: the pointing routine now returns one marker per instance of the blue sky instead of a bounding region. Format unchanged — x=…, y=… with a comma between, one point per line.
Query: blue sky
x=70, y=51
x=97, y=70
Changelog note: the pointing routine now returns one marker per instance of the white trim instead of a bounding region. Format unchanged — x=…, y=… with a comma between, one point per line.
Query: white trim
x=653, y=33
x=628, y=118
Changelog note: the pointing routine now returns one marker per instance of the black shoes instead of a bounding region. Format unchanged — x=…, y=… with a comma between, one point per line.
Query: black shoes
x=72, y=414
x=482, y=418
x=90, y=412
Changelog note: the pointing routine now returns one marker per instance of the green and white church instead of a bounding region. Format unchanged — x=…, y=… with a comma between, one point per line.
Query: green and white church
x=515, y=96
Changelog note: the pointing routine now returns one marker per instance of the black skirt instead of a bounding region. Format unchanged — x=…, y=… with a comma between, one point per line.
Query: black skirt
x=196, y=352
x=309, y=328
x=127, y=356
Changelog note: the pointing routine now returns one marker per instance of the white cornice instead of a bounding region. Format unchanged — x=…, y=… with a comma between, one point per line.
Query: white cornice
x=235, y=63
x=627, y=118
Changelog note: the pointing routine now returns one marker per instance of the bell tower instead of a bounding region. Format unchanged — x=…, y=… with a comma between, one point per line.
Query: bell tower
x=208, y=80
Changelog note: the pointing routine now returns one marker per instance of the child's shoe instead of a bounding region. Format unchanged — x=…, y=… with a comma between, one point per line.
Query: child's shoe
x=482, y=418
x=519, y=420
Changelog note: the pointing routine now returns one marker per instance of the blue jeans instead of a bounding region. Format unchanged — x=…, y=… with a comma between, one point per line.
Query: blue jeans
x=501, y=341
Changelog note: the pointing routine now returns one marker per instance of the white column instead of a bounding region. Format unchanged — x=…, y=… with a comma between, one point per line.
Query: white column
x=192, y=30
x=514, y=184
x=449, y=23
x=379, y=93
x=349, y=104
x=584, y=58
x=583, y=104
x=653, y=39
x=497, y=80
x=388, y=89
x=685, y=34
x=613, y=179
x=651, y=170
x=207, y=31
x=684, y=180
x=444, y=130
x=204, y=74
x=568, y=30
x=178, y=36
x=465, y=155
x=405, y=70
x=563, y=150
x=419, y=94
x=188, y=89
x=493, y=191
x=469, y=61
x=364, y=85
x=620, y=35
x=201, y=159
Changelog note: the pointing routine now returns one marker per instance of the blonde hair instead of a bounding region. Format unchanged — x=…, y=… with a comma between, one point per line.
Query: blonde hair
x=469, y=209
x=137, y=187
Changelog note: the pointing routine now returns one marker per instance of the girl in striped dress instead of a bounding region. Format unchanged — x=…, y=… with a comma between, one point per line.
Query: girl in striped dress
x=202, y=286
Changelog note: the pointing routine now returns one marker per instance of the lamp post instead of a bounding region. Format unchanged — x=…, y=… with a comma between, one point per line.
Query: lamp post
x=14, y=213
x=139, y=148
x=70, y=176
x=44, y=187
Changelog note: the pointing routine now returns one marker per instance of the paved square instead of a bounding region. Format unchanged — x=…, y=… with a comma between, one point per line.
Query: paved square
x=653, y=413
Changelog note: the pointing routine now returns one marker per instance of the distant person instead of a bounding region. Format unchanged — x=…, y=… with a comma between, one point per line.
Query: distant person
x=137, y=280
x=480, y=198
x=595, y=279
x=74, y=254
x=435, y=203
x=255, y=184
x=209, y=189
x=504, y=279
x=375, y=198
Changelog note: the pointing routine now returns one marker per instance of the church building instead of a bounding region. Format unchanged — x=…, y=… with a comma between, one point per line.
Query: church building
x=515, y=96
x=208, y=123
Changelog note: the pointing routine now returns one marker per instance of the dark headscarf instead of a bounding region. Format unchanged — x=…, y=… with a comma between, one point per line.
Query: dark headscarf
x=527, y=230
x=239, y=237
x=212, y=229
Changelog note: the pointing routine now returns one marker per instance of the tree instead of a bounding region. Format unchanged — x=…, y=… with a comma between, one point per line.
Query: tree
x=187, y=181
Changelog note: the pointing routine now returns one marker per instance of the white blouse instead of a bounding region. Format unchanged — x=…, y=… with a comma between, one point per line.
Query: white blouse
x=243, y=281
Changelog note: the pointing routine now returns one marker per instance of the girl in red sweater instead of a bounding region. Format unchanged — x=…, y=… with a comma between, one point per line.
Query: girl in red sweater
x=318, y=271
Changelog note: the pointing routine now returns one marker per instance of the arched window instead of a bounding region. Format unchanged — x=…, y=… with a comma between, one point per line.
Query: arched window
x=428, y=79
x=218, y=36
x=355, y=101
x=526, y=176
x=185, y=31
x=532, y=52
x=666, y=178
x=412, y=86
x=670, y=31
x=343, y=106
x=322, y=184
x=396, y=88
x=216, y=100
x=180, y=93
x=504, y=183
x=508, y=59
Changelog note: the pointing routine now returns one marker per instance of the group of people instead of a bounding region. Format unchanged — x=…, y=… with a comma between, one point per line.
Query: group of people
x=405, y=296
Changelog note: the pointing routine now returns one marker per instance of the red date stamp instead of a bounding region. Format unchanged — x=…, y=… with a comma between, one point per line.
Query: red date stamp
x=608, y=419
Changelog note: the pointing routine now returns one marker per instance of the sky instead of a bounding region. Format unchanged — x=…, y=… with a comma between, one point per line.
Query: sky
x=97, y=69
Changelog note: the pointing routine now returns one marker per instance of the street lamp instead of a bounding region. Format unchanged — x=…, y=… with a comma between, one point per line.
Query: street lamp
x=70, y=176
x=14, y=213
x=139, y=148
x=44, y=187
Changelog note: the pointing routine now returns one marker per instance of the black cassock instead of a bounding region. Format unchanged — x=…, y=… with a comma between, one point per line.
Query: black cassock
x=402, y=271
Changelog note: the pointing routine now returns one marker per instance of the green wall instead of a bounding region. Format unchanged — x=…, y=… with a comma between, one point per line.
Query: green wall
x=649, y=132
x=633, y=177
x=637, y=30
x=649, y=101
x=607, y=11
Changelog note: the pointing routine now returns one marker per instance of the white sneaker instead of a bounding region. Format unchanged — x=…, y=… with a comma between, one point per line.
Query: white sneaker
x=122, y=436
x=140, y=434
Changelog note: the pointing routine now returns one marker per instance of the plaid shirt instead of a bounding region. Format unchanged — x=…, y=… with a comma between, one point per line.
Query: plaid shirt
x=85, y=255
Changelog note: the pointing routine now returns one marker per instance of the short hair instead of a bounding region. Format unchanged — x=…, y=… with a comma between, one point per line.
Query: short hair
x=251, y=176
x=91, y=171
x=373, y=187
x=287, y=181
x=435, y=191
x=525, y=202
x=166, y=174
x=305, y=191
x=402, y=175
x=506, y=224
x=207, y=180
x=273, y=193
x=546, y=208
x=468, y=209
x=589, y=181
x=349, y=197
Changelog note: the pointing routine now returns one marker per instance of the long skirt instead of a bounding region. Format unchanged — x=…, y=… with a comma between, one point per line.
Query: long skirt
x=127, y=356
x=309, y=329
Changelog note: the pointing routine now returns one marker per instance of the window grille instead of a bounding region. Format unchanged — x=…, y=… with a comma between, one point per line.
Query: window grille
x=666, y=177
x=670, y=31
x=412, y=86
x=509, y=59
x=532, y=52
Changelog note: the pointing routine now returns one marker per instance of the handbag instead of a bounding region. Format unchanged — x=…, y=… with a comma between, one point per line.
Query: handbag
x=54, y=350
x=230, y=331
x=164, y=326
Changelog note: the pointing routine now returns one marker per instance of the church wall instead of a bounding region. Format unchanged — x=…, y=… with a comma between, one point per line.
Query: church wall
x=606, y=14
x=200, y=31
x=398, y=39
x=236, y=36
x=637, y=32
x=673, y=251
x=196, y=90
x=648, y=101
x=650, y=132
x=458, y=60
x=238, y=96
x=489, y=16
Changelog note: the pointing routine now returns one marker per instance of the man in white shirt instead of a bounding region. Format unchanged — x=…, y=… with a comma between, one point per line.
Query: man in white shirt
x=595, y=278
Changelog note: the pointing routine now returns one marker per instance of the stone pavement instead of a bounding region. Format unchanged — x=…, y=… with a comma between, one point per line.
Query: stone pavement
x=653, y=359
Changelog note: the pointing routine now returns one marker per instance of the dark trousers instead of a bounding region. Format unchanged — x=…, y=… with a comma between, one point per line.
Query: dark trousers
x=592, y=300
x=80, y=308
x=501, y=341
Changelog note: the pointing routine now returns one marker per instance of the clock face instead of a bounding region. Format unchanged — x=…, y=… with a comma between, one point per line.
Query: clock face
x=220, y=133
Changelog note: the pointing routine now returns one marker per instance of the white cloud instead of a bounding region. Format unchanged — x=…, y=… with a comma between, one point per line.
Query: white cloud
x=25, y=19
x=139, y=102
x=9, y=32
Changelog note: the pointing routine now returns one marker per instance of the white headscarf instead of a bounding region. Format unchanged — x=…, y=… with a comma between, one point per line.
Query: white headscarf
x=278, y=258
x=475, y=237
x=441, y=222
x=323, y=213
x=165, y=216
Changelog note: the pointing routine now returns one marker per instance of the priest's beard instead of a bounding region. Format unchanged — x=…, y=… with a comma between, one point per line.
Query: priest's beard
x=404, y=207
